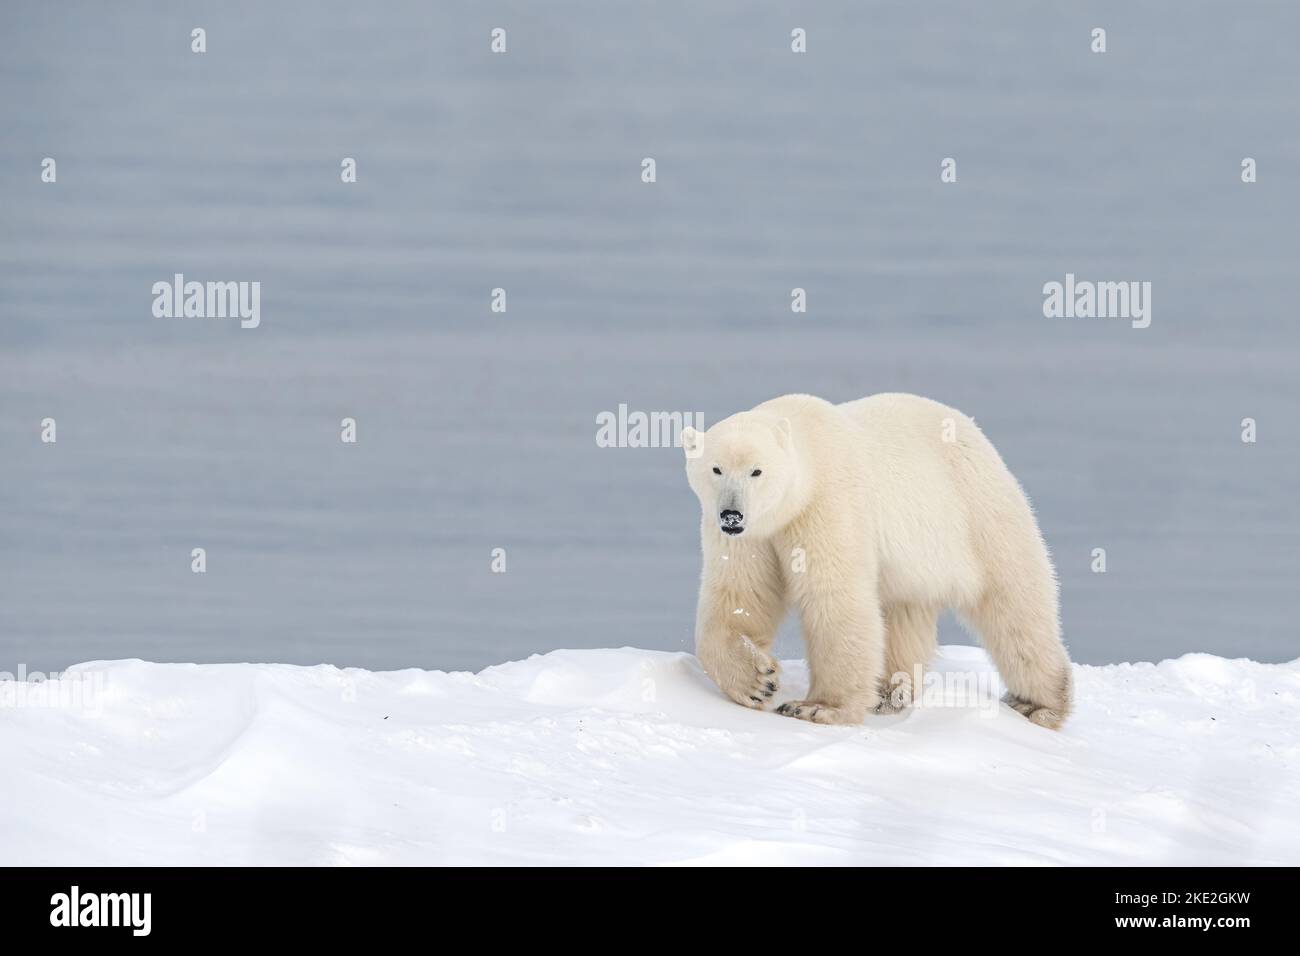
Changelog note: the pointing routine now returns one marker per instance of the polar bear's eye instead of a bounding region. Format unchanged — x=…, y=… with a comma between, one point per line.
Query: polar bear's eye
x=717, y=470
x=756, y=472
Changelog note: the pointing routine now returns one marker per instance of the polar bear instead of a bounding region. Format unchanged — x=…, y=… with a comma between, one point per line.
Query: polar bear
x=870, y=518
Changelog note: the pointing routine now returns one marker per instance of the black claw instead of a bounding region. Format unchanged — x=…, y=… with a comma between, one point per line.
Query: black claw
x=771, y=687
x=757, y=700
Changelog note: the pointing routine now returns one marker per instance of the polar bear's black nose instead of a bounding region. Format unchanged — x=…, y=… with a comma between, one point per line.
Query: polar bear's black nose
x=733, y=522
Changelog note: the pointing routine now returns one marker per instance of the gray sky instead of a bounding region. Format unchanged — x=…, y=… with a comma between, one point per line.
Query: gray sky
x=522, y=171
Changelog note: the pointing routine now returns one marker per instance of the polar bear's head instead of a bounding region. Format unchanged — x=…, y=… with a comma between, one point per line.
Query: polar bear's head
x=742, y=470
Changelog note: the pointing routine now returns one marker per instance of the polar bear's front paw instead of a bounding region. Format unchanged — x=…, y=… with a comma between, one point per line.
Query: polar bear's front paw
x=750, y=678
x=819, y=713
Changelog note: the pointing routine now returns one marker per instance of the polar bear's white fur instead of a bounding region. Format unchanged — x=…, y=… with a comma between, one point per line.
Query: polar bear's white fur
x=869, y=518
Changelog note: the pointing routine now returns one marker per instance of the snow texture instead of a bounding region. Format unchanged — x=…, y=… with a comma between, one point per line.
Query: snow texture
x=632, y=757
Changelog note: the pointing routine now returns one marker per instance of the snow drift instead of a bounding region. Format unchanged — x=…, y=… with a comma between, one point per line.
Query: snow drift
x=631, y=756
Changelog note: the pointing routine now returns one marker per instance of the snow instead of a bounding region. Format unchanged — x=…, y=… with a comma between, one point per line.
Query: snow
x=632, y=756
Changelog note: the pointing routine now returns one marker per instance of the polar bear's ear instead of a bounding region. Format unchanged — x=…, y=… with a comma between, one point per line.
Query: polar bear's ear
x=691, y=442
x=784, y=433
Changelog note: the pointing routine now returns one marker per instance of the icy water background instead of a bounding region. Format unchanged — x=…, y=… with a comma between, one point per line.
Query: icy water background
x=477, y=430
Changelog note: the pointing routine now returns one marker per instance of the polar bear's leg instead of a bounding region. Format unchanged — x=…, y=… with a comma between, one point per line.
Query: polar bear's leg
x=844, y=635
x=742, y=601
x=911, y=633
x=1020, y=630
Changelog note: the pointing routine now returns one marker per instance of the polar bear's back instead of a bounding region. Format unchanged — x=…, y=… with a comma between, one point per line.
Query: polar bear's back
x=891, y=410
x=927, y=435
x=928, y=454
x=947, y=500
x=927, y=430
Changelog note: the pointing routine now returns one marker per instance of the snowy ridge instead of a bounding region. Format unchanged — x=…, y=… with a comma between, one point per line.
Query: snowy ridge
x=631, y=756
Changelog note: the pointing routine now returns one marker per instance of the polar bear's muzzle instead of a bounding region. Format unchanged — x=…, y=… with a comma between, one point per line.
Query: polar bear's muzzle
x=732, y=522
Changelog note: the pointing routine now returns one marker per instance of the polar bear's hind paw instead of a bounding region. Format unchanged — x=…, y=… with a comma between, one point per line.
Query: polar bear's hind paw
x=1043, y=716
